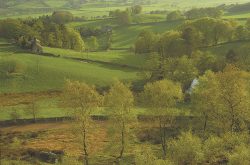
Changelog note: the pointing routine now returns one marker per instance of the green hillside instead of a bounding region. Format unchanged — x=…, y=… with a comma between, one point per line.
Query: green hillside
x=39, y=73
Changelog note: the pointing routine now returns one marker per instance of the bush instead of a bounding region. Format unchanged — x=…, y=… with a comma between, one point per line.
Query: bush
x=213, y=150
x=218, y=149
x=241, y=155
x=147, y=157
x=187, y=149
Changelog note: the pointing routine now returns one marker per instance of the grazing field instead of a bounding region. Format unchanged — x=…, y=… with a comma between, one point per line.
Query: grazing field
x=124, y=37
x=40, y=73
x=121, y=57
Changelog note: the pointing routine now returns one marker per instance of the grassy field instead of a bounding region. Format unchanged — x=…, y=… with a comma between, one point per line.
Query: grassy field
x=39, y=73
x=124, y=37
x=122, y=57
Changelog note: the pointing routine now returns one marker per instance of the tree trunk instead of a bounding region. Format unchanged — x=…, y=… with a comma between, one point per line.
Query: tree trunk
x=86, y=161
x=163, y=138
x=122, y=140
x=122, y=143
x=34, y=116
x=232, y=118
x=205, y=123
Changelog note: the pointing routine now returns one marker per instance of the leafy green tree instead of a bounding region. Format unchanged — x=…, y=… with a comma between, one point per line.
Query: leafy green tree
x=160, y=96
x=122, y=17
x=145, y=42
x=205, y=98
x=224, y=96
x=62, y=17
x=82, y=100
x=234, y=96
x=93, y=44
x=137, y=9
x=175, y=15
x=181, y=69
x=120, y=99
x=192, y=37
x=170, y=44
x=11, y=28
x=75, y=40
x=187, y=149
x=223, y=30
x=241, y=33
x=207, y=61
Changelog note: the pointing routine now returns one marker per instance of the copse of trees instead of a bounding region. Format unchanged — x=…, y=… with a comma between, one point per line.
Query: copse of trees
x=214, y=30
x=44, y=29
x=121, y=17
x=197, y=13
x=223, y=98
x=191, y=36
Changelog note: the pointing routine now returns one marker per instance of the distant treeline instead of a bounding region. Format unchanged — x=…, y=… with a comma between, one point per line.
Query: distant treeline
x=195, y=13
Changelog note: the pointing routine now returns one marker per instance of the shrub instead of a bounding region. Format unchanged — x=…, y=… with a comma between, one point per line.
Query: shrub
x=187, y=149
x=240, y=156
x=220, y=149
x=213, y=150
x=147, y=157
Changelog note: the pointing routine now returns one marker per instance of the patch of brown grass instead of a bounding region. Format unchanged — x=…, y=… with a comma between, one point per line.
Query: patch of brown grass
x=13, y=99
x=59, y=136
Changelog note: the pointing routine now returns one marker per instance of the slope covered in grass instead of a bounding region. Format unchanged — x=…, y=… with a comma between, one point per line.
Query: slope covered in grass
x=124, y=37
x=122, y=57
x=40, y=73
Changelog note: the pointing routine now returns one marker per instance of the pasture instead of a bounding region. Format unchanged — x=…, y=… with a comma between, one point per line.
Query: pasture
x=40, y=73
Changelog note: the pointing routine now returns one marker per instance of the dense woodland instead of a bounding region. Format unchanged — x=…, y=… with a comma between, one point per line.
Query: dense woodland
x=185, y=104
